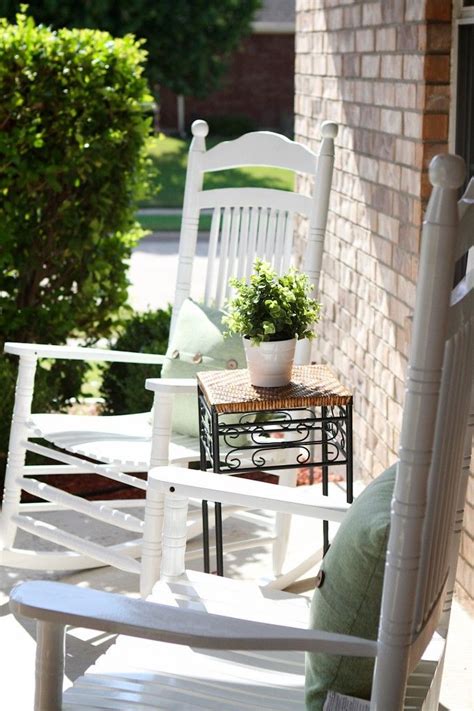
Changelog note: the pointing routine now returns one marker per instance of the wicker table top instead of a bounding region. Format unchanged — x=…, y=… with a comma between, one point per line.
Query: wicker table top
x=231, y=391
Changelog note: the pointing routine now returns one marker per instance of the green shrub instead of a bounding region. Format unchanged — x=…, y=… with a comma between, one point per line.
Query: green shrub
x=72, y=140
x=123, y=385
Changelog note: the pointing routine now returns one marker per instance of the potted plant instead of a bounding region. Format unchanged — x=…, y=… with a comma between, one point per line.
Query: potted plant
x=271, y=312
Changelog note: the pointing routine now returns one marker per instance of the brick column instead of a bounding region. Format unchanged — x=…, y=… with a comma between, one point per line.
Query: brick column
x=382, y=70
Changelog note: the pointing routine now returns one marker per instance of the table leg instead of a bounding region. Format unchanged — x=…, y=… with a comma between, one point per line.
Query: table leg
x=203, y=467
x=325, y=474
x=205, y=537
x=349, y=466
x=219, y=541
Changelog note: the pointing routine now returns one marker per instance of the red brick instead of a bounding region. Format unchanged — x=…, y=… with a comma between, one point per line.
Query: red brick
x=438, y=10
x=384, y=93
x=391, y=67
x=334, y=19
x=410, y=181
x=414, y=11
x=437, y=98
x=409, y=238
x=382, y=145
x=382, y=250
x=352, y=16
x=413, y=66
x=371, y=13
x=437, y=67
x=404, y=263
x=426, y=186
x=436, y=37
x=385, y=39
x=430, y=151
x=392, y=11
x=365, y=41
x=405, y=95
x=407, y=37
x=412, y=124
x=370, y=66
x=435, y=127
x=351, y=65
x=389, y=174
x=391, y=121
x=405, y=152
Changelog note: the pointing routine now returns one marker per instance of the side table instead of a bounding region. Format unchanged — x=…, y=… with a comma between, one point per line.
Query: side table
x=242, y=428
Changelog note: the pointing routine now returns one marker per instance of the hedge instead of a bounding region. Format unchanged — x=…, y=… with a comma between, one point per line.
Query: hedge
x=72, y=138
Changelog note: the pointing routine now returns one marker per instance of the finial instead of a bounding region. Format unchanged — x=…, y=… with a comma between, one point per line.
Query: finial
x=447, y=171
x=200, y=128
x=329, y=129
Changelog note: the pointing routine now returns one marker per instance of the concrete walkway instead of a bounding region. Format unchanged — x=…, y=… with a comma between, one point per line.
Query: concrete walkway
x=153, y=273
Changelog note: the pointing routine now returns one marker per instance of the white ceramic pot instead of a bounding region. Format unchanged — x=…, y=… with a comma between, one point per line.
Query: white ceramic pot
x=270, y=363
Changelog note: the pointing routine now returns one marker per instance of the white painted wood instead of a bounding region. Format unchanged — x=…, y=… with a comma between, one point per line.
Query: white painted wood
x=48, y=532
x=260, y=148
x=222, y=266
x=262, y=232
x=40, y=350
x=244, y=243
x=190, y=219
x=304, y=501
x=212, y=254
x=57, y=602
x=49, y=666
x=16, y=447
x=426, y=434
x=282, y=524
x=136, y=672
x=93, y=509
x=246, y=222
x=466, y=220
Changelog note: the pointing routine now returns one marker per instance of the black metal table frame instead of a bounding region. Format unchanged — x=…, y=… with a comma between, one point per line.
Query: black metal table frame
x=331, y=430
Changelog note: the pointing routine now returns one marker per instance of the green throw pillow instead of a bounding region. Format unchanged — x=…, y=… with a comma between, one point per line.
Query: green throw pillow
x=198, y=344
x=349, y=597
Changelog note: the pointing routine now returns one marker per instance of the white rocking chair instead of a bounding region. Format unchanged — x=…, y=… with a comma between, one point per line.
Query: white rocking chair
x=246, y=223
x=207, y=642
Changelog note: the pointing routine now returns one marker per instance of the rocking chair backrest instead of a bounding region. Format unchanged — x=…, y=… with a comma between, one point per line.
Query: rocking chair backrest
x=431, y=480
x=252, y=222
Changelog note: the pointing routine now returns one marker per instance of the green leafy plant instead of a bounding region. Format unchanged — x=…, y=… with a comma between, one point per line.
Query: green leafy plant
x=123, y=383
x=272, y=307
x=72, y=147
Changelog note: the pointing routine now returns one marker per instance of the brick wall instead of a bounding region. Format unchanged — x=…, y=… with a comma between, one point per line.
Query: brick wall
x=259, y=85
x=382, y=70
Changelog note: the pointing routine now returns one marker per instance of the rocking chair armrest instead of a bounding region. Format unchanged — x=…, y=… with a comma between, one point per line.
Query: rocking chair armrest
x=171, y=386
x=41, y=350
x=60, y=603
x=303, y=500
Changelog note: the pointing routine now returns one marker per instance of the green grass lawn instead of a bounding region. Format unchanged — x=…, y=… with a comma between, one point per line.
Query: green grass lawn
x=169, y=157
x=169, y=223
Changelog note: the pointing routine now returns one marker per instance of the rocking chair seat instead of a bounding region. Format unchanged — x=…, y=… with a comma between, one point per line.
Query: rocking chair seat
x=145, y=674
x=119, y=440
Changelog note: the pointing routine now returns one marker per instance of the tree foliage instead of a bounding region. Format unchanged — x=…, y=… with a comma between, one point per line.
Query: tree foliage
x=71, y=161
x=189, y=42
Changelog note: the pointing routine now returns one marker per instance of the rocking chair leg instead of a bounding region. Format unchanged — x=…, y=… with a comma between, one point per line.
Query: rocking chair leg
x=282, y=525
x=16, y=449
x=49, y=666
